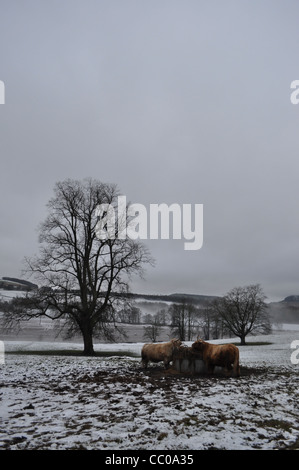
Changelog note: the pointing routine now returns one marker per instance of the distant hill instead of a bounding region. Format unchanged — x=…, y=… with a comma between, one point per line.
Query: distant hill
x=285, y=311
x=291, y=298
x=13, y=283
x=151, y=304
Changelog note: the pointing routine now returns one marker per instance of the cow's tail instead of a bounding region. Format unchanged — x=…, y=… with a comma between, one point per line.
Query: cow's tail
x=236, y=363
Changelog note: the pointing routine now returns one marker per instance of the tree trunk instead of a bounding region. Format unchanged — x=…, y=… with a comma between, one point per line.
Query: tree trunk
x=242, y=338
x=88, y=341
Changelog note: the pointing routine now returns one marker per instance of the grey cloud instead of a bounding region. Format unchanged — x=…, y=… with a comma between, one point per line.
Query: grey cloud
x=184, y=102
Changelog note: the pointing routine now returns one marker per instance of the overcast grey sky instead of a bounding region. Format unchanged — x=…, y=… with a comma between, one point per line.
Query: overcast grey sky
x=175, y=101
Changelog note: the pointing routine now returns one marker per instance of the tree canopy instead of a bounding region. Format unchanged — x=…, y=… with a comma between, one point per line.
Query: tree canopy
x=243, y=310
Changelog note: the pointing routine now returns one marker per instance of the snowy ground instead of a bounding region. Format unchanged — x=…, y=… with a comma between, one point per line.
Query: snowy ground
x=72, y=402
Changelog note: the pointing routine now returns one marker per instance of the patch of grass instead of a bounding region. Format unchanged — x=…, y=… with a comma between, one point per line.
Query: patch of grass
x=162, y=436
x=294, y=445
x=71, y=352
x=278, y=424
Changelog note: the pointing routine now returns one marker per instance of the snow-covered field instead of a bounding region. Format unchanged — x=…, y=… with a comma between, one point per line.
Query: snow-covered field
x=111, y=402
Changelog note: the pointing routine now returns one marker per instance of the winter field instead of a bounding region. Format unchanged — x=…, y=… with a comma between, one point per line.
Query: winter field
x=51, y=399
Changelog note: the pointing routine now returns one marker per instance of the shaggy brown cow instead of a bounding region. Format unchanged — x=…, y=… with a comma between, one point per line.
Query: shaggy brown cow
x=222, y=355
x=159, y=352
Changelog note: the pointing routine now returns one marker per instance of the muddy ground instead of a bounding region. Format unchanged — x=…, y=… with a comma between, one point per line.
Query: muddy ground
x=113, y=403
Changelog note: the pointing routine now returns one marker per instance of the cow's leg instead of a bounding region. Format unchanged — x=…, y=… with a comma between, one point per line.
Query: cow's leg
x=236, y=366
x=144, y=362
x=236, y=371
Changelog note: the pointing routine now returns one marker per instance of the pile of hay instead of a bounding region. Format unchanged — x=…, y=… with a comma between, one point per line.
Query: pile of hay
x=188, y=360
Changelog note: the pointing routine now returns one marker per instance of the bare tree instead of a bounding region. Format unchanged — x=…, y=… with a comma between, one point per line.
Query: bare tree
x=82, y=277
x=152, y=331
x=211, y=323
x=130, y=314
x=207, y=321
x=161, y=316
x=243, y=310
x=183, y=319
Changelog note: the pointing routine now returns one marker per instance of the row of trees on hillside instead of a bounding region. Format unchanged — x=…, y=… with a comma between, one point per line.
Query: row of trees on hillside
x=240, y=312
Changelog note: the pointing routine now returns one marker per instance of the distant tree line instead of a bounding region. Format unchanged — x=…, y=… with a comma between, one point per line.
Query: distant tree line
x=240, y=312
